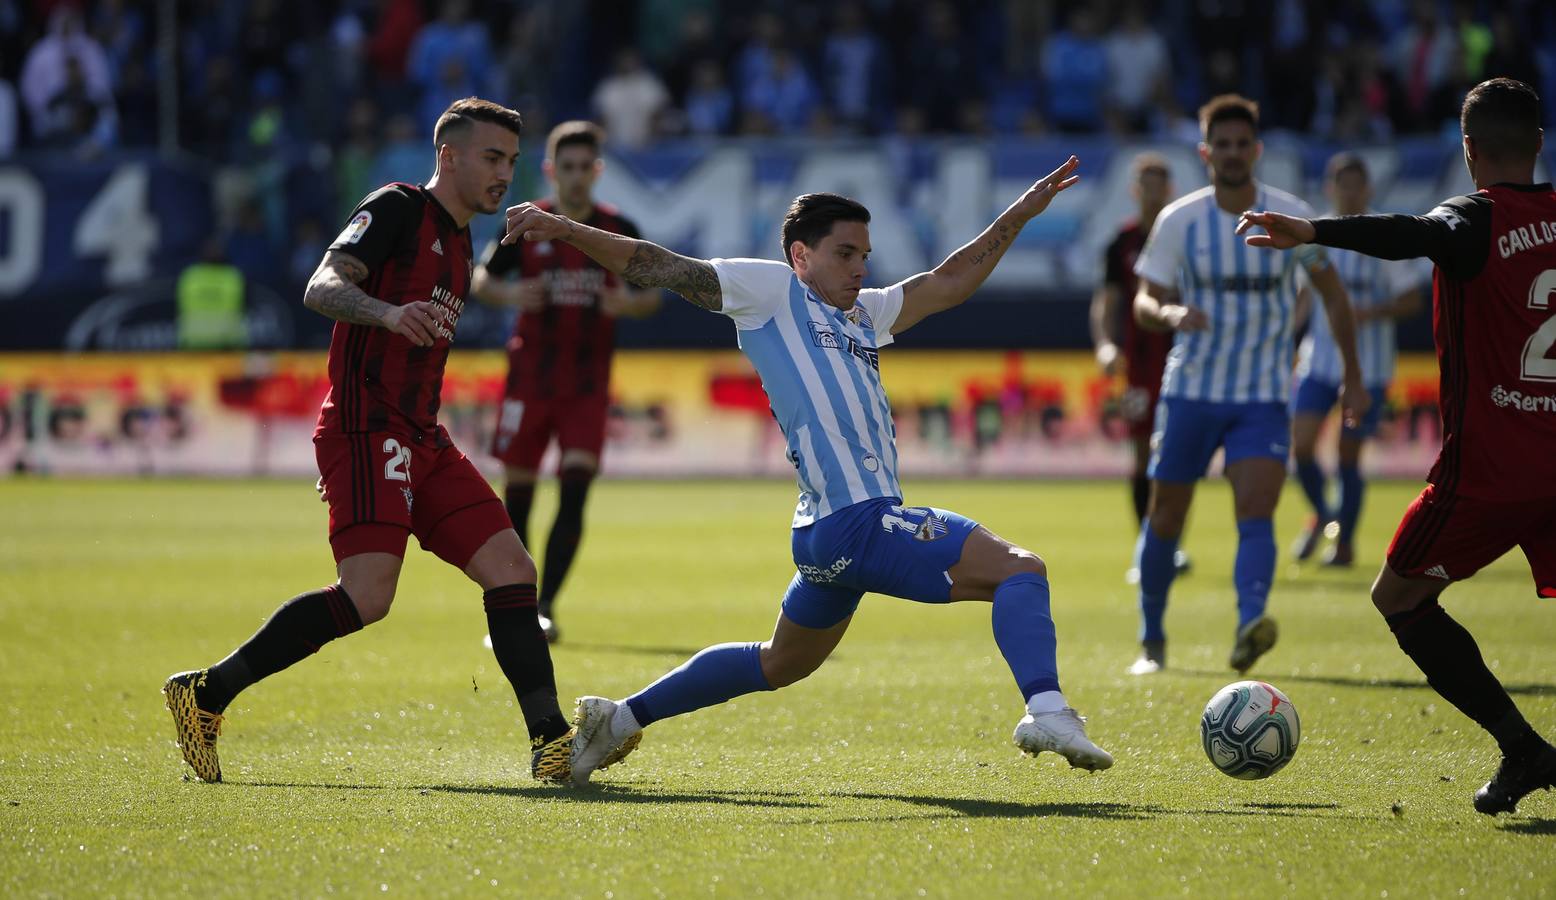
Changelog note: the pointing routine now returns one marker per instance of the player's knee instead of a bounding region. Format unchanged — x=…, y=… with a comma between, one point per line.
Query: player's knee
x=783, y=669
x=513, y=567
x=1166, y=521
x=1024, y=562
x=371, y=596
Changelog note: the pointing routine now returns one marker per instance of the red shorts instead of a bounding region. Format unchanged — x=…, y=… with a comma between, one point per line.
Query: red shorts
x=383, y=486
x=1452, y=537
x=525, y=426
x=1138, y=407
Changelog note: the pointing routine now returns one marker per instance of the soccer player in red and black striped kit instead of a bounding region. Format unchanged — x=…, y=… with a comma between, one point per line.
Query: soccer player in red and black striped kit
x=559, y=358
x=395, y=281
x=1493, y=487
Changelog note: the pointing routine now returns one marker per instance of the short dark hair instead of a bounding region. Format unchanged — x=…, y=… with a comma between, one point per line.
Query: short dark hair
x=1228, y=108
x=1341, y=163
x=577, y=132
x=1503, y=116
x=462, y=115
x=811, y=217
x=1150, y=163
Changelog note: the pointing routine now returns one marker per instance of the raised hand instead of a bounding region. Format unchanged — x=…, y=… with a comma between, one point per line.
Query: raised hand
x=1282, y=232
x=418, y=322
x=531, y=223
x=1042, y=191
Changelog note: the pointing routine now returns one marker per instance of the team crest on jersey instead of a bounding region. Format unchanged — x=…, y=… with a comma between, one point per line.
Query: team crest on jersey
x=859, y=317
x=355, y=228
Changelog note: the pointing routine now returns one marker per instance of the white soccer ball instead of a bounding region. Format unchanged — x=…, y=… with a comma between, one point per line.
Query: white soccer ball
x=1250, y=730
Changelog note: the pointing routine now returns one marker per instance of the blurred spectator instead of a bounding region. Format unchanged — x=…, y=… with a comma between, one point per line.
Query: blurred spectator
x=403, y=156
x=1291, y=64
x=355, y=160
x=1139, y=69
x=524, y=65
x=1511, y=54
x=9, y=121
x=210, y=302
x=449, y=59
x=211, y=115
x=1425, y=61
x=248, y=246
x=629, y=100
x=308, y=246
x=1075, y=72
x=856, y=73
x=265, y=36
x=661, y=33
x=390, y=41
x=120, y=29
x=941, y=73
x=781, y=98
x=138, y=111
x=1474, y=41
x=77, y=118
x=710, y=107
x=48, y=69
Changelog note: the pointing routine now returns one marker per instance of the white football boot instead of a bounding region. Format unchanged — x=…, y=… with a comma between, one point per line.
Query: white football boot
x=596, y=744
x=1062, y=731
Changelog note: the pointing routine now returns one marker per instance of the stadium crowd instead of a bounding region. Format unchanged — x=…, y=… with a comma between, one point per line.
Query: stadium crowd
x=289, y=95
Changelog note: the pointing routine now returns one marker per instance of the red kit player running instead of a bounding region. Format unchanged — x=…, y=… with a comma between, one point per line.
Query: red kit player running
x=1493, y=487
x=395, y=282
x=559, y=358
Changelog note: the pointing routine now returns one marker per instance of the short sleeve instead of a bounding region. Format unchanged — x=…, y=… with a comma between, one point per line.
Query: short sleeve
x=500, y=259
x=752, y=289
x=1163, y=253
x=883, y=306
x=378, y=225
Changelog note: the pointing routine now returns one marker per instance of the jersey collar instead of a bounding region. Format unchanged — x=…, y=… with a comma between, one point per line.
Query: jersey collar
x=1540, y=188
x=444, y=215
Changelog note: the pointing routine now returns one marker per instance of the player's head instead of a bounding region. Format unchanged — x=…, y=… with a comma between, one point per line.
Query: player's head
x=478, y=144
x=1348, y=184
x=826, y=238
x=1501, y=123
x=1150, y=182
x=1229, y=139
x=573, y=161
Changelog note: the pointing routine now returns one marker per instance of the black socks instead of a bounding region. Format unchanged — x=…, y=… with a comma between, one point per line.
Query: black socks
x=294, y=632
x=1451, y=661
x=562, y=545
x=518, y=498
x=525, y=657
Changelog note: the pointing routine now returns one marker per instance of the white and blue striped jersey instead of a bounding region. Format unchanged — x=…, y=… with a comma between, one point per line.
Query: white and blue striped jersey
x=1249, y=293
x=1370, y=282
x=821, y=370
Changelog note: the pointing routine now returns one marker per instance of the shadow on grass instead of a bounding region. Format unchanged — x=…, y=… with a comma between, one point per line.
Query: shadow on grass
x=597, y=793
x=634, y=649
x=1526, y=688
x=1538, y=826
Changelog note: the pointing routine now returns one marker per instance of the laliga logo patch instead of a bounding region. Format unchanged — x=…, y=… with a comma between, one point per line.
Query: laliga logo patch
x=355, y=228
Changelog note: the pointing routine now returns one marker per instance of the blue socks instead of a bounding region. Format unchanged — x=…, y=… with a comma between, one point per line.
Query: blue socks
x=1351, y=488
x=717, y=674
x=1153, y=557
x=1024, y=631
x=1311, y=477
x=1254, y=568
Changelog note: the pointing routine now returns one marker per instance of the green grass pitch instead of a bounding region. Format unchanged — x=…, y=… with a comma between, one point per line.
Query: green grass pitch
x=394, y=762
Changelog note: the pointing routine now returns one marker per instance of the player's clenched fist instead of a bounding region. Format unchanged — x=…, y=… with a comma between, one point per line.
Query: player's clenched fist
x=531, y=223
x=417, y=322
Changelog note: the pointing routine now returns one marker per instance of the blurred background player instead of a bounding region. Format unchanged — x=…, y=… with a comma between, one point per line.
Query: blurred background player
x=1227, y=381
x=559, y=358
x=814, y=333
x=1118, y=338
x=1381, y=292
x=387, y=468
x=1493, y=486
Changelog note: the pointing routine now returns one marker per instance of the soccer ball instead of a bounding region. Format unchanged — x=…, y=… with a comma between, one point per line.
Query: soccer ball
x=1250, y=730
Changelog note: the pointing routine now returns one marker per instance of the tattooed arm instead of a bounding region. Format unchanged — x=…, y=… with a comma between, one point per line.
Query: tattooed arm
x=333, y=291
x=954, y=280
x=645, y=264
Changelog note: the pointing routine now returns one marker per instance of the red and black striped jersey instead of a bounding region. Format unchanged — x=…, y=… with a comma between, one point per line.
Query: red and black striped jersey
x=1145, y=352
x=564, y=349
x=413, y=250
x=1494, y=322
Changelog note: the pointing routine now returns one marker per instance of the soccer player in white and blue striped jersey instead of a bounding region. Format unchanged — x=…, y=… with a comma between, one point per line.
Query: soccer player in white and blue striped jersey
x=1381, y=292
x=1227, y=380
x=813, y=332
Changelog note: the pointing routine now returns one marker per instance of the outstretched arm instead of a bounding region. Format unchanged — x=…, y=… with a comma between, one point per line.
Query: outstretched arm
x=1456, y=235
x=333, y=291
x=954, y=280
x=641, y=262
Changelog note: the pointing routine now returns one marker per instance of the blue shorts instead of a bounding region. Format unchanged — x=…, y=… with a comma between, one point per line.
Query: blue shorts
x=876, y=546
x=1315, y=397
x=1189, y=431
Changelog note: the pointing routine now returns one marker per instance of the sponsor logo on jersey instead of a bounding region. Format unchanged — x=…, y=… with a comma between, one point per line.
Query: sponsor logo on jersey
x=437, y=246
x=1521, y=401
x=355, y=228
x=829, y=338
x=824, y=574
x=1438, y=571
